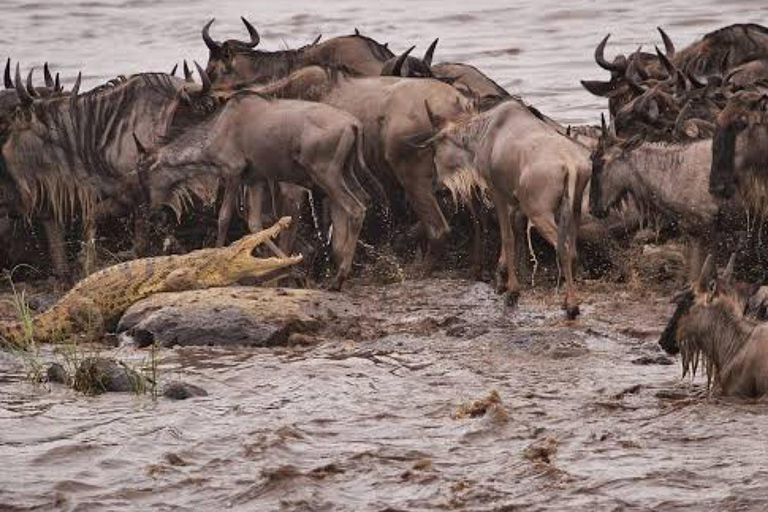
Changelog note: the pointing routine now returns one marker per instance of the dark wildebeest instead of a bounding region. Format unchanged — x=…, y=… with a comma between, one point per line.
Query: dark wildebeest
x=75, y=156
x=407, y=66
x=523, y=163
x=235, y=63
x=720, y=324
x=740, y=149
x=252, y=140
x=391, y=110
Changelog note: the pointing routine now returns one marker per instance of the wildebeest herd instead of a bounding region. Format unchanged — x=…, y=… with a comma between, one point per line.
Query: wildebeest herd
x=373, y=135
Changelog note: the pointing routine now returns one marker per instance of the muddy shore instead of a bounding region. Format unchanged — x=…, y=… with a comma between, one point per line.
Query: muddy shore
x=378, y=412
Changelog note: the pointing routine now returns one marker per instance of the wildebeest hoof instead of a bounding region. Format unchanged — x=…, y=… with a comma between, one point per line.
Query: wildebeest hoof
x=571, y=312
x=511, y=298
x=334, y=286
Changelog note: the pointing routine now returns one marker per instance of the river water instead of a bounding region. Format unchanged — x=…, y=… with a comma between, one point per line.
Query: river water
x=368, y=421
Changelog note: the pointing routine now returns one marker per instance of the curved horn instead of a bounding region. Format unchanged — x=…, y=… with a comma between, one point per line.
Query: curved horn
x=668, y=66
x=255, y=38
x=600, y=56
x=30, y=86
x=698, y=84
x=317, y=40
x=188, y=73
x=427, y=60
x=76, y=87
x=357, y=32
x=47, y=76
x=175, y=67
x=204, y=78
x=7, y=75
x=398, y=68
x=57, y=84
x=24, y=96
x=139, y=146
x=603, y=125
x=210, y=43
x=669, y=47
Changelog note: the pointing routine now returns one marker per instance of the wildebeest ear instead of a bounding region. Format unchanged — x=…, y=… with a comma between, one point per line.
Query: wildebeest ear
x=597, y=87
x=421, y=140
x=707, y=275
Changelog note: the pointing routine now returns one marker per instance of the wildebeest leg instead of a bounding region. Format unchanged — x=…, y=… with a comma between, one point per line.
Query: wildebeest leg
x=225, y=212
x=89, y=246
x=54, y=233
x=254, y=200
x=507, y=259
x=420, y=196
x=140, y=233
x=290, y=203
x=477, y=213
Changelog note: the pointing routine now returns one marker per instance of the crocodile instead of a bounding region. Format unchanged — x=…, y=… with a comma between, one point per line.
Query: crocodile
x=96, y=303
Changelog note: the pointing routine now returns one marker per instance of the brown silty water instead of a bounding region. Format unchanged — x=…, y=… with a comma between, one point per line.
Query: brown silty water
x=378, y=413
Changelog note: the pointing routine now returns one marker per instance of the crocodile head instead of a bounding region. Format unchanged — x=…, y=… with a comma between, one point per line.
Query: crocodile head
x=237, y=261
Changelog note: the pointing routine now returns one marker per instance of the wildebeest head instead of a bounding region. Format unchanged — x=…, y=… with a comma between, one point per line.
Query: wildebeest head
x=407, y=66
x=708, y=301
x=227, y=63
x=609, y=161
x=745, y=113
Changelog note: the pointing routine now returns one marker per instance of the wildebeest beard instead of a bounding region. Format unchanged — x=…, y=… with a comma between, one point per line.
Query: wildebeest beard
x=722, y=175
x=668, y=340
x=69, y=163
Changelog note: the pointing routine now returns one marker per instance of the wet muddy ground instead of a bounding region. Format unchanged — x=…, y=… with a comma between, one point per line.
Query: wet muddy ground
x=423, y=395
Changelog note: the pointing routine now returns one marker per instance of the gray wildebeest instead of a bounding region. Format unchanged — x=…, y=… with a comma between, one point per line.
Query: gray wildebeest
x=524, y=163
x=234, y=63
x=391, y=111
x=719, y=323
x=251, y=140
x=740, y=149
x=74, y=156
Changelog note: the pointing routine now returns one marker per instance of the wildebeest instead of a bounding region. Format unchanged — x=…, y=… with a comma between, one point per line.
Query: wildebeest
x=740, y=149
x=523, y=163
x=74, y=156
x=253, y=139
x=719, y=323
x=234, y=63
x=391, y=110
x=407, y=66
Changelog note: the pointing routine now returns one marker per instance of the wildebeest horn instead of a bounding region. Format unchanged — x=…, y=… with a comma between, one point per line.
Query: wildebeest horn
x=427, y=60
x=203, y=78
x=24, y=96
x=357, y=32
x=600, y=57
x=317, y=40
x=139, y=146
x=728, y=273
x=680, y=81
x=76, y=87
x=603, y=125
x=30, y=86
x=671, y=69
x=188, y=73
x=398, y=68
x=681, y=117
x=7, y=75
x=47, y=76
x=210, y=43
x=57, y=84
x=669, y=47
x=255, y=38
x=698, y=84
x=175, y=67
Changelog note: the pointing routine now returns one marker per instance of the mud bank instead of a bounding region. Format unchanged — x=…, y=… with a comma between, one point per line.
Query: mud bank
x=369, y=417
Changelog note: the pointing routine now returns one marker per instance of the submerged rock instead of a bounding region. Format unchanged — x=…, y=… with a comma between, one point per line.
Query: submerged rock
x=182, y=391
x=259, y=317
x=97, y=375
x=56, y=373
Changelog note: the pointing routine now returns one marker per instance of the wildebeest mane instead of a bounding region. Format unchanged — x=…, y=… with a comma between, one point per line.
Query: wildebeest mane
x=73, y=171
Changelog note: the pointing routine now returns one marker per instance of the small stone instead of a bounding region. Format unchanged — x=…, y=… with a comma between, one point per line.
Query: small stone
x=57, y=373
x=182, y=391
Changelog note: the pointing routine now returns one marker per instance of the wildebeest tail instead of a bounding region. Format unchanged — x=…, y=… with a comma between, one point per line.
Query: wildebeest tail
x=369, y=180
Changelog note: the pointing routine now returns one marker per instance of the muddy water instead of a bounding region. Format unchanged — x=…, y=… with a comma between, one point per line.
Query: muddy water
x=368, y=419
x=537, y=48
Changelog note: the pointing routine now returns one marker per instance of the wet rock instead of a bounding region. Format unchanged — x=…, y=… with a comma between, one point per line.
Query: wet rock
x=653, y=359
x=56, y=373
x=491, y=403
x=182, y=391
x=245, y=316
x=542, y=451
x=97, y=375
x=661, y=264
